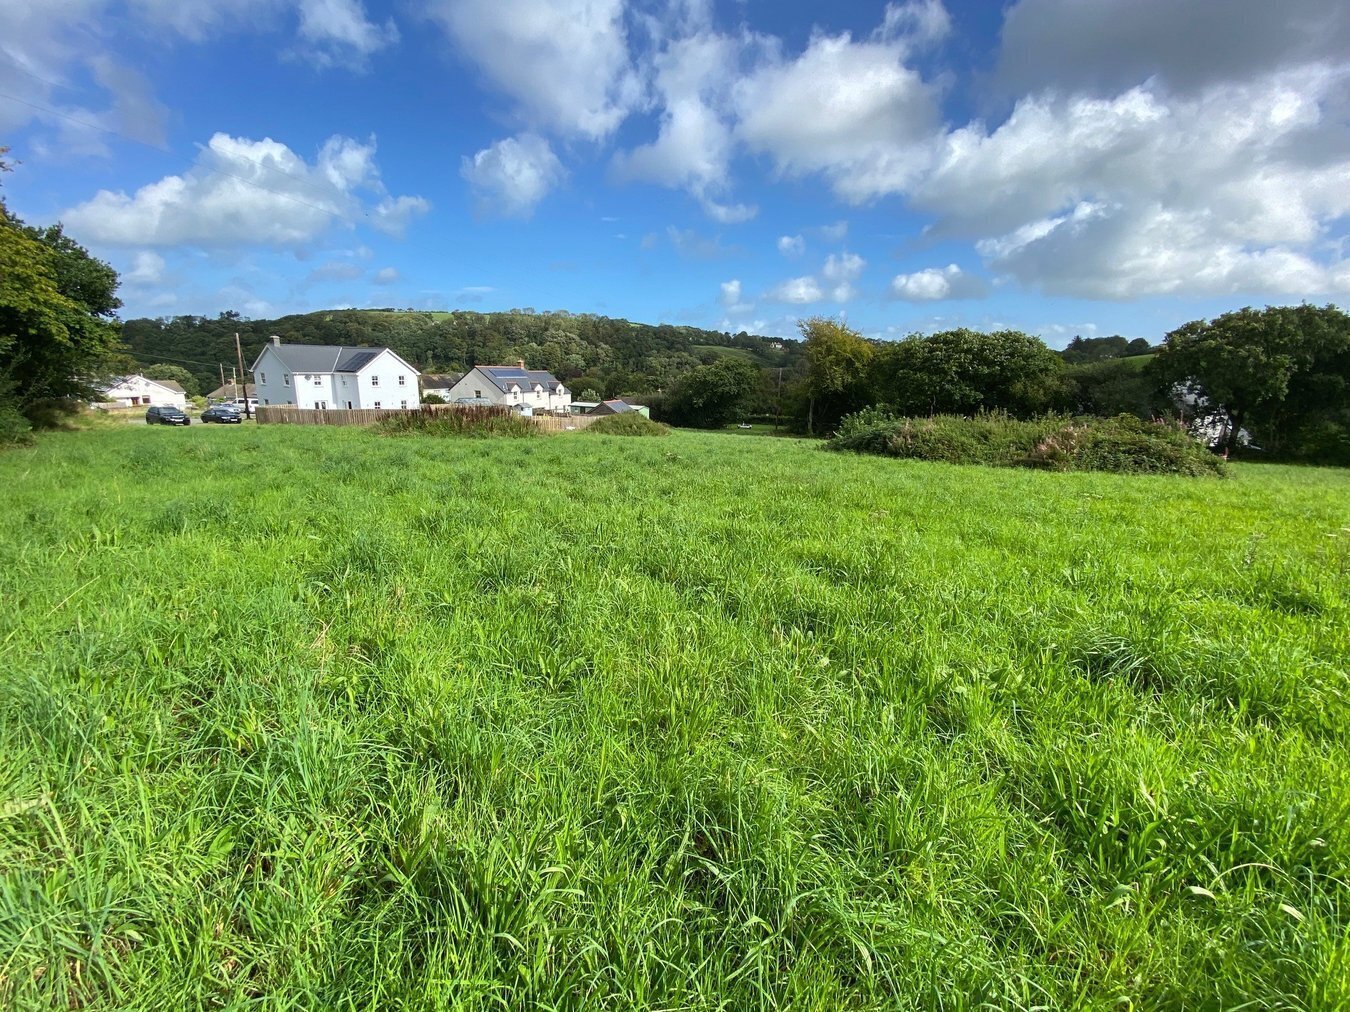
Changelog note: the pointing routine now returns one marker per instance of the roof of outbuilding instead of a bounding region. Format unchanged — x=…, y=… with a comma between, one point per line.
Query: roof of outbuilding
x=232, y=390
x=503, y=376
x=317, y=358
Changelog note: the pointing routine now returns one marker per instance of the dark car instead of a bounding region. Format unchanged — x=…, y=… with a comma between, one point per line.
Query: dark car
x=163, y=415
x=226, y=414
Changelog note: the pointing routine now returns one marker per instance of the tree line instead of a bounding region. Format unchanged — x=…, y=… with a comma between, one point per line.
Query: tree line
x=1275, y=380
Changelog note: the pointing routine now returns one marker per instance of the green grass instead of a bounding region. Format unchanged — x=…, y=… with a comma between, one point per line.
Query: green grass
x=298, y=718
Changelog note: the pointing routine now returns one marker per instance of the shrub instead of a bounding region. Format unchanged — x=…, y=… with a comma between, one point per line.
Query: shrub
x=631, y=424
x=1124, y=444
x=15, y=429
x=458, y=421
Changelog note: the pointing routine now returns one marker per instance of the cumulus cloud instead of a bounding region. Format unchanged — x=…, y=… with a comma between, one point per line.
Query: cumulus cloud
x=733, y=299
x=850, y=110
x=564, y=64
x=242, y=192
x=936, y=283
x=840, y=271
x=835, y=282
x=387, y=276
x=338, y=33
x=147, y=268
x=1232, y=190
x=513, y=175
x=797, y=291
x=791, y=245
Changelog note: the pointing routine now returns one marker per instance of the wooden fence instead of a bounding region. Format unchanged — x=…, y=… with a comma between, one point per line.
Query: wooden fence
x=284, y=414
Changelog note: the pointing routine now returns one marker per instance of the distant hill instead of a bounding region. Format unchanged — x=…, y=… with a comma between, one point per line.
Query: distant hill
x=611, y=356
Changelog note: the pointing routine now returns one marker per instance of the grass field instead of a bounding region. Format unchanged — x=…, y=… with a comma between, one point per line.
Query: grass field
x=299, y=718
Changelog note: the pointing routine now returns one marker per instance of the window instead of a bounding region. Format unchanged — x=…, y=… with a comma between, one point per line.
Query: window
x=400, y=381
x=478, y=393
x=266, y=401
x=377, y=404
x=403, y=404
x=262, y=377
x=318, y=382
x=286, y=378
x=374, y=381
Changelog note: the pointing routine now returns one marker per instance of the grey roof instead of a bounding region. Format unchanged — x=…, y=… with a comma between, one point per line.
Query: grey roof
x=441, y=379
x=503, y=376
x=171, y=385
x=315, y=358
x=232, y=390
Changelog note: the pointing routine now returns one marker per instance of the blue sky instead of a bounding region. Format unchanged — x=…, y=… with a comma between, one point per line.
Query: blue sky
x=1058, y=166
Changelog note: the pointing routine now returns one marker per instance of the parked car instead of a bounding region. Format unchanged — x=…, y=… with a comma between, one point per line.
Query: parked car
x=226, y=414
x=164, y=415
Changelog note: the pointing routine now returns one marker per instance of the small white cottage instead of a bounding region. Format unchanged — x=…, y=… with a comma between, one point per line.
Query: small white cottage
x=137, y=391
x=334, y=376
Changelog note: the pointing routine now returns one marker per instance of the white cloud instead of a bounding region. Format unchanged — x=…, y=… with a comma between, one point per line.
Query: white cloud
x=837, y=276
x=936, y=283
x=146, y=269
x=918, y=22
x=694, y=145
x=797, y=291
x=338, y=33
x=733, y=299
x=242, y=193
x=513, y=175
x=387, y=276
x=850, y=110
x=840, y=271
x=791, y=245
x=1233, y=190
x=563, y=63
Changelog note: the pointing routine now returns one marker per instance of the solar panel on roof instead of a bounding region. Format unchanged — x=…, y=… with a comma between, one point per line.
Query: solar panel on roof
x=354, y=362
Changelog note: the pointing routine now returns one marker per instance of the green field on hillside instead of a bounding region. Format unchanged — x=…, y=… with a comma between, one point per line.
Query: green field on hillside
x=298, y=718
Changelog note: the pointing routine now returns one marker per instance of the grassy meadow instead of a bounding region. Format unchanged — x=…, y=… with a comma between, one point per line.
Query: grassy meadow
x=298, y=718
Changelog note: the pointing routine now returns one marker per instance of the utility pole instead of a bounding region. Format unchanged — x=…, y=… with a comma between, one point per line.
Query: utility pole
x=222, y=374
x=239, y=353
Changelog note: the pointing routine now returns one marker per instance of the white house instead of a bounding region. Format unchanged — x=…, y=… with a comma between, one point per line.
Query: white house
x=513, y=386
x=440, y=384
x=135, y=391
x=333, y=376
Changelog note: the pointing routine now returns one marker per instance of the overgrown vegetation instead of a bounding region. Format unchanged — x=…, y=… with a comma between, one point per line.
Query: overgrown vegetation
x=630, y=424
x=305, y=717
x=477, y=421
x=1123, y=444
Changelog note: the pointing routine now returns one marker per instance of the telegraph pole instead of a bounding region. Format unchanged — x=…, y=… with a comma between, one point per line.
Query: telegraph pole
x=239, y=353
x=222, y=374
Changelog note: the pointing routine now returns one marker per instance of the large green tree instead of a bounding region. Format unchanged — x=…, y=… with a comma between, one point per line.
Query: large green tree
x=710, y=396
x=58, y=331
x=176, y=373
x=961, y=372
x=1281, y=374
x=837, y=359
